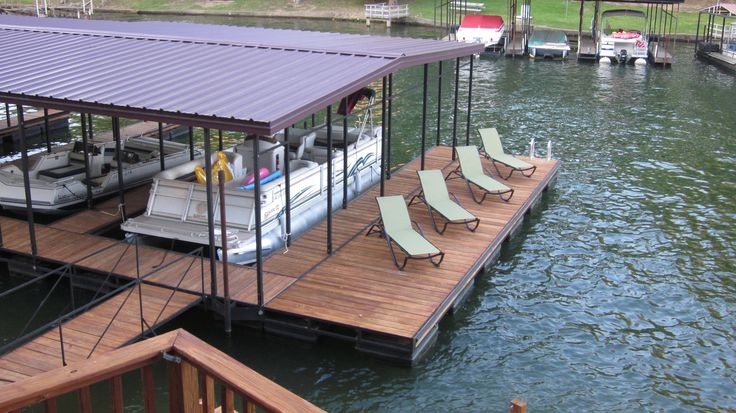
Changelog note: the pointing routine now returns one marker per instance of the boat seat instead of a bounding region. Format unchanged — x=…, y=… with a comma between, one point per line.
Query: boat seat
x=63, y=171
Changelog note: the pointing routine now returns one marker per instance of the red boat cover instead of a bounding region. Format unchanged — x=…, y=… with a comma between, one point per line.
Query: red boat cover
x=482, y=21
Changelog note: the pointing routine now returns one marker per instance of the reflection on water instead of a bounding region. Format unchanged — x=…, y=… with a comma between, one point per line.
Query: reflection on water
x=620, y=293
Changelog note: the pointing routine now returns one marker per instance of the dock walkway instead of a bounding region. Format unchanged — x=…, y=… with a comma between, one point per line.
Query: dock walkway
x=33, y=123
x=356, y=294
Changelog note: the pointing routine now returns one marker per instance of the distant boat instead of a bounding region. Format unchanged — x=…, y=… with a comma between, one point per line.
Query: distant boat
x=481, y=28
x=622, y=37
x=57, y=180
x=548, y=44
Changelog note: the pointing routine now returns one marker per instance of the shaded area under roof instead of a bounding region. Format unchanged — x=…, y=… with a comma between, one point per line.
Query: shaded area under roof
x=237, y=78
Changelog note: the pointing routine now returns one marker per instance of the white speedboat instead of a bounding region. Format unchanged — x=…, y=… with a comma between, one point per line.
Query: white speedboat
x=548, y=44
x=57, y=180
x=481, y=28
x=177, y=206
x=620, y=40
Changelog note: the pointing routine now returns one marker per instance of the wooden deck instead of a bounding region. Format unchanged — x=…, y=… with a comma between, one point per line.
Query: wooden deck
x=516, y=47
x=105, y=214
x=360, y=288
x=356, y=294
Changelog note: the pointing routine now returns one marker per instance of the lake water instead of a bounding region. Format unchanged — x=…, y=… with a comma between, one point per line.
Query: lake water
x=619, y=293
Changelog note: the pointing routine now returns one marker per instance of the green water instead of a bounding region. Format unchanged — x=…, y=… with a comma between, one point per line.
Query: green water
x=618, y=295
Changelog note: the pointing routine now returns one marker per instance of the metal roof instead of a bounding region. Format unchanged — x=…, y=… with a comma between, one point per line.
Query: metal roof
x=236, y=78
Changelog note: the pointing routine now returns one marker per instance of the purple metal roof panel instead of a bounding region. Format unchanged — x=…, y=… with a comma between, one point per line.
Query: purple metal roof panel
x=249, y=79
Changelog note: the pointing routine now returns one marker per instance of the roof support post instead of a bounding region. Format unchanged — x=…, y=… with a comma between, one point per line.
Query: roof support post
x=161, y=145
x=46, y=129
x=7, y=114
x=210, y=214
x=27, y=182
x=345, y=154
x=91, y=128
x=219, y=140
x=329, y=177
x=191, y=143
x=439, y=100
x=259, y=230
x=424, y=111
x=388, y=126
x=697, y=33
x=287, y=188
x=223, y=237
x=118, y=160
x=470, y=101
x=383, y=137
x=87, y=177
x=454, y=109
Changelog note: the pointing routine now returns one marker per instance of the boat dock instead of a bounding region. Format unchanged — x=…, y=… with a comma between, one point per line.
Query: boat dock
x=356, y=294
x=587, y=49
x=34, y=124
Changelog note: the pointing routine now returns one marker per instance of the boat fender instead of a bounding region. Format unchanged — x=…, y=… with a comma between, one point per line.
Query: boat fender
x=605, y=60
x=262, y=173
x=265, y=180
x=220, y=164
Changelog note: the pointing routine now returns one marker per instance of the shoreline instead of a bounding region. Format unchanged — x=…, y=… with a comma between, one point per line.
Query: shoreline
x=312, y=15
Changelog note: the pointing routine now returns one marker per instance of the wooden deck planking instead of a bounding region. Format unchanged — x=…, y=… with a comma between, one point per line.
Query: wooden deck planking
x=105, y=213
x=359, y=285
x=82, y=333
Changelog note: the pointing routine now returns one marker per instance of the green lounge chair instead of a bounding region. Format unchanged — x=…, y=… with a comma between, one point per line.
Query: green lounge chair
x=395, y=225
x=435, y=195
x=471, y=170
x=493, y=150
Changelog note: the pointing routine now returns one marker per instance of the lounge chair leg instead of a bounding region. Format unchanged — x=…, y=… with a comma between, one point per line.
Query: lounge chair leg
x=499, y=171
x=472, y=229
x=393, y=254
x=532, y=173
x=437, y=264
x=455, y=171
x=510, y=192
x=418, y=196
x=472, y=194
x=373, y=227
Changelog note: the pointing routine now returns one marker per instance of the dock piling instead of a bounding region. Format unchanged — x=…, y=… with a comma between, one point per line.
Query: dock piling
x=454, y=110
x=191, y=143
x=259, y=230
x=7, y=114
x=329, y=176
x=223, y=237
x=470, y=101
x=27, y=183
x=287, y=191
x=46, y=129
x=118, y=160
x=210, y=211
x=424, y=113
x=87, y=177
x=387, y=152
x=383, y=137
x=344, y=154
x=439, y=101
x=161, y=152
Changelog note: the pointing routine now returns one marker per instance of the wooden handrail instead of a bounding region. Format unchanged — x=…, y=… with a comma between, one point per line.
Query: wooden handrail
x=78, y=376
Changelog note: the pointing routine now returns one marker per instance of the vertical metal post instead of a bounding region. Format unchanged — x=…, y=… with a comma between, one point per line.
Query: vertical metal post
x=61, y=342
x=210, y=214
x=87, y=176
x=71, y=287
x=345, y=154
x=439, y=101
x=287, y=187
x=90, y=126
x=138, y=281
x=383, y=137
x=697, y=33
x=387, y=151
x=313, y=116
x=161, y=145
x=470, y=101
x=118, y=160
x=223, y=237
x=424, y=112
x=219, y=140
x=454, y=110
x=7, y=114
x=259, y=230
x=46, y=129
x=191, y=143
x=26, y=181
x=329, y=178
